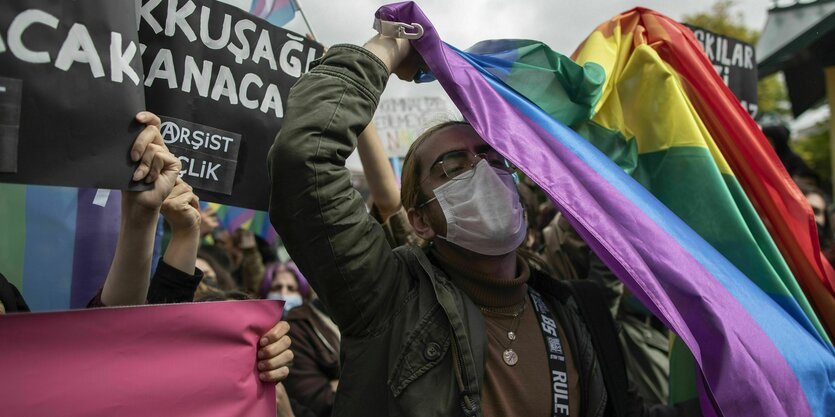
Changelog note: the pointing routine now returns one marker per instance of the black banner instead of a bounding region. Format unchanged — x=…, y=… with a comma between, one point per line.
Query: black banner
x=214, y=65
x=10, y=96
x=71, y=77
x=77, y=72
x=736, y=63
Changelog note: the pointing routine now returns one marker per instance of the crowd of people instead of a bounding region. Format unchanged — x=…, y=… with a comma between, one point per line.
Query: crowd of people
x=460, y=291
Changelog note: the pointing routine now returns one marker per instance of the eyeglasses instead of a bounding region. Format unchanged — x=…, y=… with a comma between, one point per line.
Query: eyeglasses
x=459, y=165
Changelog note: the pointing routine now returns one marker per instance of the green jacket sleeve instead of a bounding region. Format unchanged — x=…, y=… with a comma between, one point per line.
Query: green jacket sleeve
x=321, y=218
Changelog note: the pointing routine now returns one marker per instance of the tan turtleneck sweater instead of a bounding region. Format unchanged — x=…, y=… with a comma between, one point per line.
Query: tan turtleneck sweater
x=522, y=390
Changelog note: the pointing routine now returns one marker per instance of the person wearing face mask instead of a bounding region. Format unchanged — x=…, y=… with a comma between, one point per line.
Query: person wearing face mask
x=461, y=326
x=315, y=375
x=283, y=281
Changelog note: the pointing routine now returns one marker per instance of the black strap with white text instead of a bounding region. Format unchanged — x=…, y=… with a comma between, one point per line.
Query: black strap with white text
x=556, y=355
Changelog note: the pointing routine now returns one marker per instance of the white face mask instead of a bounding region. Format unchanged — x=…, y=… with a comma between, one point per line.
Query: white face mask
x=483, y=212
x=290, y=302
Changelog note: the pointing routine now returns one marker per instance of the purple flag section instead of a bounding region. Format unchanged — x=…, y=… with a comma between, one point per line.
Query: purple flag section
x=164, y=360
x=95, y=244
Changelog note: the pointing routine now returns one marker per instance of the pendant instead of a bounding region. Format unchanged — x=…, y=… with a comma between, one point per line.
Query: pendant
x=511, y=335
x=510, y=357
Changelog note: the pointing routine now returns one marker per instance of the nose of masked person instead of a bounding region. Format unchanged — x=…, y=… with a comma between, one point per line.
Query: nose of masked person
x=482, y=211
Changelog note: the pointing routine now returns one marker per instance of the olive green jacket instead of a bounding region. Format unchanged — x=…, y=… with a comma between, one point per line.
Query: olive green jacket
x=413, y=344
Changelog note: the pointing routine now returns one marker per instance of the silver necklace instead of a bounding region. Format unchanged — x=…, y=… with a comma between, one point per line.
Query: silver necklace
x=509, y=356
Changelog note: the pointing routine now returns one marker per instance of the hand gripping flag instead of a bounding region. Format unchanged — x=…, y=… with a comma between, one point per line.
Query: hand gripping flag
x=759, y=352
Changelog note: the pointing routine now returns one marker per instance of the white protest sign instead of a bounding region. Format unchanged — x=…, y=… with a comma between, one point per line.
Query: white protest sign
x=400, y=120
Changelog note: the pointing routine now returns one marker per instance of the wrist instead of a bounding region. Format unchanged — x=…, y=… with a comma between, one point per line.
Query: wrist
x=132, y=208
x=138, y=216
x=386, y=49
x=191, y=231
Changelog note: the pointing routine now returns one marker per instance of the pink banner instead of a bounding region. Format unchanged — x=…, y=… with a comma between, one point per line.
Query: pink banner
x=162, y=360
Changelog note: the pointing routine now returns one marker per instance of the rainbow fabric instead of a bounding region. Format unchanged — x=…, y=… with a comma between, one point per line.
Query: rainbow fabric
x=56, y=246
x=699, y=143
x=759, y=348
x=232, y=218
x=277, y=12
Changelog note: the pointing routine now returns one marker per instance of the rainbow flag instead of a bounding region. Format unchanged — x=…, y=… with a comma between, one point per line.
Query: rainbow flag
x=232, y=218
x=759, y=351
x=56, y=245
x=699, y=143
x=277, y=12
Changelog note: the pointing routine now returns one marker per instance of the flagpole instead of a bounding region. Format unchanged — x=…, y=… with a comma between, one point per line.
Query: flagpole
x=299, y=8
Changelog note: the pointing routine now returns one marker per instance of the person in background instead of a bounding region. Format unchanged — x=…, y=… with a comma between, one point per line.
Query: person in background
x=208, y=221
x=221, y=259
x=817, y=201
x=385, y=193
x=248, y=266
x=284, y=281
x=314, y=376
x=215, y=277
x=645, y=339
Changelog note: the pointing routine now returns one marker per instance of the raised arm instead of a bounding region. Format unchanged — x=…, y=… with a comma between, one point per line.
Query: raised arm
x=127, y=280
x=322, y=220
x=182, y=212
x=176, y=278
x=378, y=173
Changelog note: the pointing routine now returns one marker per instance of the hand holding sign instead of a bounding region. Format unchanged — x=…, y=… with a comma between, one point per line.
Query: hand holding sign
x=275, y=355
x=156, y=165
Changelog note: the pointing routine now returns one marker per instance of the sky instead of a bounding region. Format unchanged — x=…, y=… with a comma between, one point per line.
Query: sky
x=561, y=24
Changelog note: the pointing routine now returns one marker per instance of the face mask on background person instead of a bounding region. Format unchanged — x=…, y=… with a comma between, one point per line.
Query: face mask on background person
x=291, y=301
x=483, y=211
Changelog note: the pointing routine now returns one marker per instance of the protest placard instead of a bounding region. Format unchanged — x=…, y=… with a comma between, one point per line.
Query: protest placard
x=70, y=76
x=736, y=63
x=400, y=120
x=220, y=78
x=73, y=76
